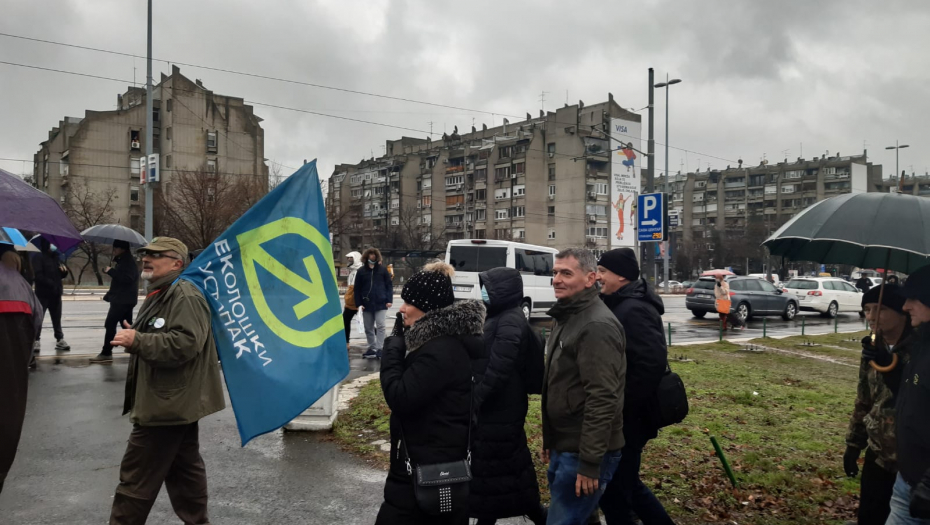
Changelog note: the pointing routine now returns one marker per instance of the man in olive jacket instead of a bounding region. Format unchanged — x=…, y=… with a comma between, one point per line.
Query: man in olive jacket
x=173, y=381
x=582, y=397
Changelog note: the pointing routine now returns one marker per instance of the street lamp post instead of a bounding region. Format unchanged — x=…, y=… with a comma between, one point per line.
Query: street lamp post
x=666, y=85
x=897, y=147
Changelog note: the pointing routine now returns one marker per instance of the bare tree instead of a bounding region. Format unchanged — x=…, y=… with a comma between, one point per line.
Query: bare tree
x=88, y=208
x=200, y=205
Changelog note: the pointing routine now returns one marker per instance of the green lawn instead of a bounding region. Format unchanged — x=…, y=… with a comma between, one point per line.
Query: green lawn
x=780, y=420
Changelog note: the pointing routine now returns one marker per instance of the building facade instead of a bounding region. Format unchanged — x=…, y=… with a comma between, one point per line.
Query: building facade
x=543, y=181
x=194, y=130
x=744, y=205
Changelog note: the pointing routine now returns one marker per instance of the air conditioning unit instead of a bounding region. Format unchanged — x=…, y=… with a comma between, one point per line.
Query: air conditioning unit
x=458, y=206
x=135, y=144
x=592, y=195
x=62, y=199
x=552, y=197
x=551, y=154
x=458, y=187
x=445, y=161
x=419, y=205
x=592, y=218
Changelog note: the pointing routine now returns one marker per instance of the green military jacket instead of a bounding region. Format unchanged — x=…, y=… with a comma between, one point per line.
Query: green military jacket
x=872, y=421
x=174, y=375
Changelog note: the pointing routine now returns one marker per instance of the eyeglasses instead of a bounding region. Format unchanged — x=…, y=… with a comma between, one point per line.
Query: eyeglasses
x=157, y=255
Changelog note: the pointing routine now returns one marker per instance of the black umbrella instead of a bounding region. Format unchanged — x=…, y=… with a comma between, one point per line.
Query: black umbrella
x=107, y=233
x=868, y=230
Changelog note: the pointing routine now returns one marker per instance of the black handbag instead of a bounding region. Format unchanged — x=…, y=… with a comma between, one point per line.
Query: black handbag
x=442, y=488
x=672, y=399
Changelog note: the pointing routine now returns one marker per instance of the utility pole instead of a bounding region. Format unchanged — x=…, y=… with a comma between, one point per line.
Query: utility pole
x=667, y=85
x=651, y=153
x=149, y=185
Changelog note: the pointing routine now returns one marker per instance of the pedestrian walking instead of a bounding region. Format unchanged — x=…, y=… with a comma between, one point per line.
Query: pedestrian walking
x=910, y=499
x=871, y=427
x=374, y=295
x=504, y=483
x=722, y=297
x=173, y=381
x=20, y=321
x=639, y=310
x=582, y=397
x=427, y=374
x=49, y=272
x=122, y=296
x=354, y=260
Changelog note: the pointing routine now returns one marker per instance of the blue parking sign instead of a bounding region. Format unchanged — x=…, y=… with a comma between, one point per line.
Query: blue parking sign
x=651, y=217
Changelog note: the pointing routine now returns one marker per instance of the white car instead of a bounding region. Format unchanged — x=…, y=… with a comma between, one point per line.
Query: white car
x=672, y=285
x=827, y=295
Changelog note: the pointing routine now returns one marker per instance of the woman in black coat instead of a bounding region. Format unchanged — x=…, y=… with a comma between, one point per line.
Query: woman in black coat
x=504, y=483
x=426, y=376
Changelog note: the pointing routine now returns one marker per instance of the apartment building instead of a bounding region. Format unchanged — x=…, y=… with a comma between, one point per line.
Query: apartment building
x=721, y=204
x=545, y=180
x=193, y=129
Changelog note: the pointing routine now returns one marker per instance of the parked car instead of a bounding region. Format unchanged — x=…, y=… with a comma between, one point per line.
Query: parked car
x=763, y=276
x=672, y=285
x=687, y=284
x=749, y=297
x=470, y=257
x=827, y=295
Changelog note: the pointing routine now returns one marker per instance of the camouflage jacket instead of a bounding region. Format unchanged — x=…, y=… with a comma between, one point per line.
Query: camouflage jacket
x=872, y=421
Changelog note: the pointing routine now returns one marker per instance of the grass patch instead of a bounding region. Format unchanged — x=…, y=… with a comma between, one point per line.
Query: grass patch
x=842, y=347
x=780, y=420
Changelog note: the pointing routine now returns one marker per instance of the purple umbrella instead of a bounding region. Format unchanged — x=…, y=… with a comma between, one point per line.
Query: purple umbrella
x=26, y=208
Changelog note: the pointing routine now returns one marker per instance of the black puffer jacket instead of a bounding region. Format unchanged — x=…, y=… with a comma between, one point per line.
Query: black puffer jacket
x=48, y=274
x=429, y=393
x=639, y=309
x=504, y=483
x=124, y=284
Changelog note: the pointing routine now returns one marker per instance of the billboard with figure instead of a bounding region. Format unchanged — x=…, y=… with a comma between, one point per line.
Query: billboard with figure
x=625, y=171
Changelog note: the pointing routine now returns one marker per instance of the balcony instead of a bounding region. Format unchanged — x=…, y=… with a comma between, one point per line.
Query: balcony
x=455, y=169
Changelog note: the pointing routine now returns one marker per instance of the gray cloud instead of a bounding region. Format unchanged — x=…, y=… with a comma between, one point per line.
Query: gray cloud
x=759, y=77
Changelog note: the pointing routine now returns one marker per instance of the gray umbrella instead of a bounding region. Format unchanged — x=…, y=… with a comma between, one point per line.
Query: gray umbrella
x=107, y=233
x=867, y=230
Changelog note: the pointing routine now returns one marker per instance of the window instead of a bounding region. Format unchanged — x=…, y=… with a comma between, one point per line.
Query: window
x=465, y=258
x=395, y=221
x=502, y=173
x=481, y=195
x=211, y=165
x=481, y=214
x=357, y=193
x=519, y=191
x=481, y=174
x=551, y=210
x=168, y=133
x=211, y=141
x=532, y=261
x=134, y=139
x=481, y=234
x=452, y=200
x=795, y=174
x=552, y=172
x=427, y=219
x=502, y=194
x=550, y=149
x=454, y=180
x=519, y=168
x=501, y=214
x=768, y=287
x=597, y=232
x=379, y=190
x=518, y=211
x=135, y=166
x=427, y=201
x=756, y=180
x=395, y=204
x=829, y=285
x=427, y=184
x=170, y=105
x=595, y=209
x=519, y=233
x=155, y=112
x=133, y=194
x=506, y=151
x=551, y=234
x=167, y=161
x=552, y=189
x=850, y=288
x=601, y=188
x=788, y=188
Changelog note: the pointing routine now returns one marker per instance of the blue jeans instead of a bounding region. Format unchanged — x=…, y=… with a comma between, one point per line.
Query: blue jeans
x=627, y=492
x=565, y=508
x=900, y=505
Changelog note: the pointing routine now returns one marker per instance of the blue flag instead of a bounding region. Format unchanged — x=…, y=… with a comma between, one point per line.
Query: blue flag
x=277, y=319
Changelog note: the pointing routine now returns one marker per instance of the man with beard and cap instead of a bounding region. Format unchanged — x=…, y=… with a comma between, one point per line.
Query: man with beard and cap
x=173, y=381
x=639, y=309
x=910, y=499
x=355, y=262
x=48, y=275
x=20, y=320
x=871, y=426
x=122, y=296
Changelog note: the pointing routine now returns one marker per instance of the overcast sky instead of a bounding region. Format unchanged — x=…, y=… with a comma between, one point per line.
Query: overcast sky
x=758, y=78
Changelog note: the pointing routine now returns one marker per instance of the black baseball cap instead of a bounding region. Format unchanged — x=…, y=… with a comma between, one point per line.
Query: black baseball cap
x=917, y=286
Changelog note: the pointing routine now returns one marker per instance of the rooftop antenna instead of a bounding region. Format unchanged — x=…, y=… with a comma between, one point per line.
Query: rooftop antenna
x=542, y=100
x=430, y=127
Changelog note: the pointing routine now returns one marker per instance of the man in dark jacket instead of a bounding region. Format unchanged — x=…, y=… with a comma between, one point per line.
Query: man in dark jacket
x=374, y=295
x=426, y=378
x=910, y=501
x=20, y=320
x=173, y=381
x=504, y=483
x=582, y=397
x=639, y=309
x=48, y=272
x=122, y=296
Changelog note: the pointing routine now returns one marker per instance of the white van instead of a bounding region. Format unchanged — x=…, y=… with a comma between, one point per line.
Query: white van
x=470, y=257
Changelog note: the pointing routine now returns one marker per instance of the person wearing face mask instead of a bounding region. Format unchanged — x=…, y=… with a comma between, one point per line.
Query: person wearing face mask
x=374, y=295
x=504, y=483
x=429, y=363
x=355, y=262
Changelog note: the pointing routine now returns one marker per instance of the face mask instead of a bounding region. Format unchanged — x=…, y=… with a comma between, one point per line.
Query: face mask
x=484, y=295
x=371, y=263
